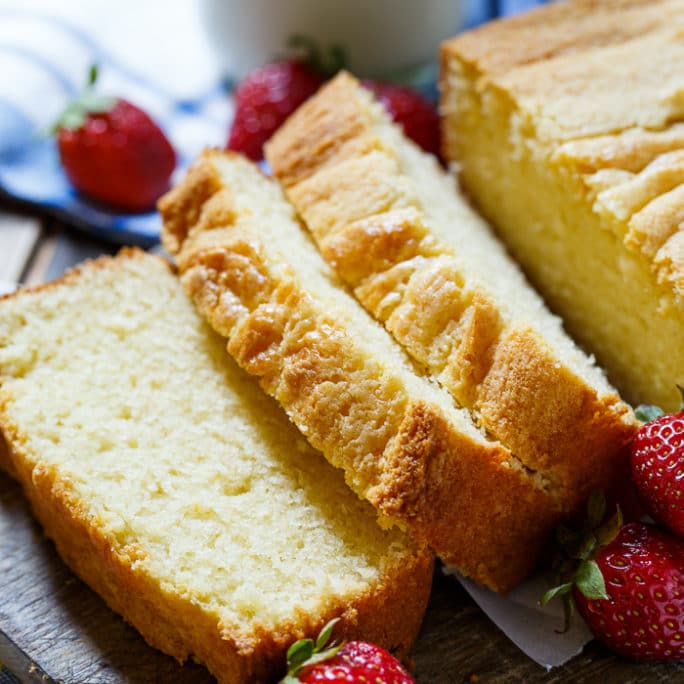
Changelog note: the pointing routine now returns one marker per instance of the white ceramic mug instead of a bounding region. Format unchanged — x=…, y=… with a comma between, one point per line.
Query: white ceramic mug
x=379, y=37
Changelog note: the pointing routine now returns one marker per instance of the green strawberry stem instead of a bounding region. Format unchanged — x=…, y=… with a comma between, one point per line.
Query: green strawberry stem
x=324, y=62
x=575, y=565
x=88, y=102
x=305, y=652
x=648, y=412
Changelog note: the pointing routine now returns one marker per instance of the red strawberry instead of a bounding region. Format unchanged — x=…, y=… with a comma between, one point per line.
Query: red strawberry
x=353, y=662
x=113, y=152
x=268, y=95
x=627, y=582
x=358, y=661
x=264, y=99
x=416, y=115
x=643, y=616
x=657, y=462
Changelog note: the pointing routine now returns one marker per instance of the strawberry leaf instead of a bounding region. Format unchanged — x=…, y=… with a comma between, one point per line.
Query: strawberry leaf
x=92, y=75
x=555, y=591
x=568, y=540
x=299, y=652
x=610, y=529
x=325, y=634
x=92, y=102
x=334, y=60
x=88, y=102
x=73, y=117
x=304, y=652
x=596, y=509
x=326, y=63
x=584, y=549
x=647, y=412
x=589, y=580
x=322, y=656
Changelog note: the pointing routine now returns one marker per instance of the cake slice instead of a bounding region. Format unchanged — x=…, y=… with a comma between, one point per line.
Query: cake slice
x=256, y=276
x=181, y=493
x=389, y=220
x=567, y=127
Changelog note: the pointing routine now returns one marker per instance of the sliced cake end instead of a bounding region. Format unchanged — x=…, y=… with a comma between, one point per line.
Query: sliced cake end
x=181, y=493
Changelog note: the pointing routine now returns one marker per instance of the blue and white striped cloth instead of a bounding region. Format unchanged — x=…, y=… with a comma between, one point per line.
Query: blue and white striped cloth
x=153, y=54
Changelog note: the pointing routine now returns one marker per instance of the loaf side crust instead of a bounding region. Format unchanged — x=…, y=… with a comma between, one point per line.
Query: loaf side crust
x=557, y=29
x=470, y=501
x=369, y=227
x=389, y=615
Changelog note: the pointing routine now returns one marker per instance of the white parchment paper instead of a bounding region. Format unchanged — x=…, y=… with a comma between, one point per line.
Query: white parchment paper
x=529, y=626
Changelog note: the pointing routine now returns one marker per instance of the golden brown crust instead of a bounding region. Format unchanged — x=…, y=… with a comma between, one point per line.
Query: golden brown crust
x=649, y=207
x=543, y=410
x=369, y=225
x=557, y=29
x=71, y=276
x=446, y=488
x=630, y=150
x=375, y=244
x=390, y=614
x=457, y=496
x=181, y=209
x=334, y=134
x=562, y=68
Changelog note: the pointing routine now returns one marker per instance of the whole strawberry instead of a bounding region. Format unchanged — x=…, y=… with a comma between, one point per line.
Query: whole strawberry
x=353, y=662
x=264, y=99
x=416, y=115
x=113, y=152
x=627, y=582
x=642, y=617
x=657, y=462
x=269, y=94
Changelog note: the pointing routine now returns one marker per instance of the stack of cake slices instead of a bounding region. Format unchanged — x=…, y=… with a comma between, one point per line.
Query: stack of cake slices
x=377, y=308
x=436, y=406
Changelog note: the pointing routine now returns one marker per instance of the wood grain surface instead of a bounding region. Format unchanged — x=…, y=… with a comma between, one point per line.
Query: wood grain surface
x=54, y=624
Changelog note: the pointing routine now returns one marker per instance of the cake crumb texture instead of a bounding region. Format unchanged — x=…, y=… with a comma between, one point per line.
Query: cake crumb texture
x=181, y=493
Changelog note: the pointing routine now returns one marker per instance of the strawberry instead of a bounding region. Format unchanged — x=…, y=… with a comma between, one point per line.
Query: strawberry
x=416, y=115
x=269, y=94
x=264, y=99
x=352, y=662
x=642, y=617
x=657, y=463
x=628, y=585
x=113, y=152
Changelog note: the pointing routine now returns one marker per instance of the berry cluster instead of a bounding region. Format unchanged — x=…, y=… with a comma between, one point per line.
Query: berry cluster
x=627, y=581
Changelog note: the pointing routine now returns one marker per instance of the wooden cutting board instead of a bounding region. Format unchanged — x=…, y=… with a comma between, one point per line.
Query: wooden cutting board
x=53, y=628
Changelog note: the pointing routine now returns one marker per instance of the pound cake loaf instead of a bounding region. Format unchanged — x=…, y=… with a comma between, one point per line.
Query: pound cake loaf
x=567, y=126
x=181, y=493
x=419, y=259
x=255, y=275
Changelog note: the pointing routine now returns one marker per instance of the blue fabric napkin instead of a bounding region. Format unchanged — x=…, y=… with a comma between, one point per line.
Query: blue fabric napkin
x=155, y=55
